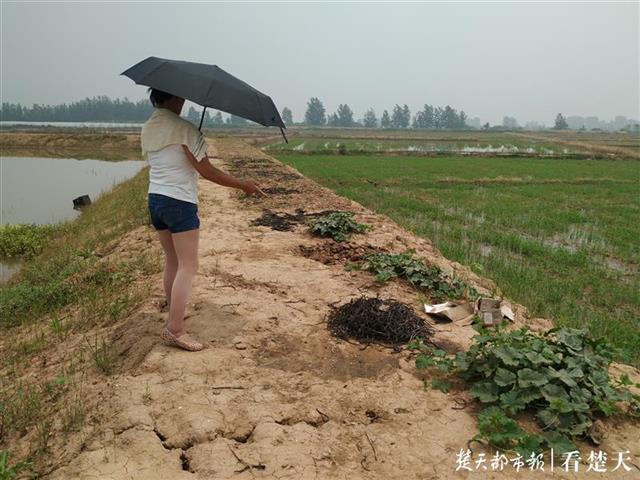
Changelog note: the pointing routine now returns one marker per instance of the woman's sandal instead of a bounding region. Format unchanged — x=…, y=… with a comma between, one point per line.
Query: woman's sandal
x=183, y=341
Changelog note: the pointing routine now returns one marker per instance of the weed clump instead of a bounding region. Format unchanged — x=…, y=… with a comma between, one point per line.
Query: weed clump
x=421, y=276
x=337, y=225
x=560, y=376
x=375, y=320
x=24, y=240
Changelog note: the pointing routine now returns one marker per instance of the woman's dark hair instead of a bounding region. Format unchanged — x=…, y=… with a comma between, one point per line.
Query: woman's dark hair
x=158, y=97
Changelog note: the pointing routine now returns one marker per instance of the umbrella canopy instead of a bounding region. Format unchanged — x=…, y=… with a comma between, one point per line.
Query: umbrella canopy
x=209, y=86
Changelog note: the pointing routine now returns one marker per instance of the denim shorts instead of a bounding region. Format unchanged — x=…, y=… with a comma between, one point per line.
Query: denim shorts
x=172, y=214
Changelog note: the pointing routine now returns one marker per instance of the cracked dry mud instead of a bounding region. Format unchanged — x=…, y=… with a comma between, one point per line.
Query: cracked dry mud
x=273, y=395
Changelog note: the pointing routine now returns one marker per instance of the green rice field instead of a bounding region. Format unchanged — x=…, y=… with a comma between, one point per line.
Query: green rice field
x=560, y=236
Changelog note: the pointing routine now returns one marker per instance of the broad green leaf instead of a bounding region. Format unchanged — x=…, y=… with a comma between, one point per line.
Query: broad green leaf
x=560, y=405
x=536, y=358
x=486, y=392
x=576, y=372
x=553, y=391
x=548, y=419
x=512, y=402
x=504, y=377
x=528, y=395
x=531, y=378
x=508, y=355
x=578, y=429
x=571, y=338
x=598, y=378
x=529, y=444
x=564, y=376
x=565, y=422
x=560, y=443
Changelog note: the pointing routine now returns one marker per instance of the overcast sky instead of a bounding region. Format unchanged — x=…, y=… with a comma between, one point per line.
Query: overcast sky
x=490, y=59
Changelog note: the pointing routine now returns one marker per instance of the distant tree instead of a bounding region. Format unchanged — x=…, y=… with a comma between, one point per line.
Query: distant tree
x=345, y=116
x=449, y=118
x=561, y=123
x=418, y=120
x=406, y=116
x=486, y=126
x=217, y=119
x=192, y=116
x=370, y=120
x=509, y=122
x=206, y=122
x=438, y=117
x=315, y=114
x=462, y=119
x=428, y=116
x=236, y=121
x=385, y=120
x=333, y=120
x=396, y=116
x=401, y=116
x=287, y=116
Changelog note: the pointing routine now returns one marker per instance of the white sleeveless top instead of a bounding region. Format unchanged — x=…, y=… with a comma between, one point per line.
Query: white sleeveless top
x=171, y=173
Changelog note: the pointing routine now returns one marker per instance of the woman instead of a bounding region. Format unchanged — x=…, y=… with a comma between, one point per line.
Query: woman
x=177, y=153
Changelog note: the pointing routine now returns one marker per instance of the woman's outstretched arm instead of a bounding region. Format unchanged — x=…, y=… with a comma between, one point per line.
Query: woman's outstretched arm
x=216, y=175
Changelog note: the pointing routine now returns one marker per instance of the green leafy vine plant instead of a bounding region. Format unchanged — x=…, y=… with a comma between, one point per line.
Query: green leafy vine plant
x=24, y=240
x=560, y=376
x=421, y=276
x=337, y=225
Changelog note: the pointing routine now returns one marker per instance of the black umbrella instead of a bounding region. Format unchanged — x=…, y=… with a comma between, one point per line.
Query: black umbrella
x=209, y=86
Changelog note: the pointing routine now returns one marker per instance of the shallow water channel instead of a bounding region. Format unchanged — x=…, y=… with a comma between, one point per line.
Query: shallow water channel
x=41, y=190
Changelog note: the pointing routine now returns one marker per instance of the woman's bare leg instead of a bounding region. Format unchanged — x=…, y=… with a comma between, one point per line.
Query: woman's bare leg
x=186, y=248
x=170, y=262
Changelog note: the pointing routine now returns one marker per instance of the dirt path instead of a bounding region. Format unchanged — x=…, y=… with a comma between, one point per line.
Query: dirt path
x=275, y=395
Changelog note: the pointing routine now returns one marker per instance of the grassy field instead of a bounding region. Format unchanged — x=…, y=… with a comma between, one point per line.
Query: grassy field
x=559, y=236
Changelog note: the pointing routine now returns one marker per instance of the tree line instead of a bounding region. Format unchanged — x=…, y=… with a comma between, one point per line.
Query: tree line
x=96, y=109
x=400, y=117
x=104, y=109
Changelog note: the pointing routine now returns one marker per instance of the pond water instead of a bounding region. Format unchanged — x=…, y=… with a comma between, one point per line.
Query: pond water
x=41, y=190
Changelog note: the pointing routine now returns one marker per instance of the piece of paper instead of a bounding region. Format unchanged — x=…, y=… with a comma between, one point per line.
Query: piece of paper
x=507, y=312
x=449, y=311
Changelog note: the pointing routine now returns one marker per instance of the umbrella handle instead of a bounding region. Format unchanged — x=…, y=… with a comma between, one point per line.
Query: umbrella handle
x=202, y=118
x=285, y=137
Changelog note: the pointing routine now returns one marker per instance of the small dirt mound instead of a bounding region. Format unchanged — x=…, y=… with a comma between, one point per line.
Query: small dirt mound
x=261, y=167
x=376, y=320
x=332, y=253
x=279, y=221
x=280, y=191
x=284, y=221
